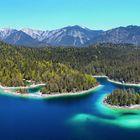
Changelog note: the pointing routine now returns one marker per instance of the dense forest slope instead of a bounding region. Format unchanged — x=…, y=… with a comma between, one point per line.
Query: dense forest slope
x=19, y=63
x=68, y=69
x=119, y=62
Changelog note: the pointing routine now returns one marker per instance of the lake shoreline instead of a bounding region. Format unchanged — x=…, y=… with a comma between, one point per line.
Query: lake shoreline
x=7, y=90
x=137, y=106
x=22, y=87
x=84, y=92
x=117, y=82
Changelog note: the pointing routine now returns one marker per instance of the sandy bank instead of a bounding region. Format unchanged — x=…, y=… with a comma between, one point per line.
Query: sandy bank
x=117, y=82
x=137, y=106
x=71, y=93
x=21, y=87
x=7, y=90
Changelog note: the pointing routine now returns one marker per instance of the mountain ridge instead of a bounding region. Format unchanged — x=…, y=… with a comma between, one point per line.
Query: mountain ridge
x=70, y=36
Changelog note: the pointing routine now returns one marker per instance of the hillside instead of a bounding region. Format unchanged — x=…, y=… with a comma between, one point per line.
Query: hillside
x=119, y=62
x=16, y=66
x=68, y=69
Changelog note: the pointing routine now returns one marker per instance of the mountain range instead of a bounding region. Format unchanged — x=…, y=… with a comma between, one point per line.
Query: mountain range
x=70, y=36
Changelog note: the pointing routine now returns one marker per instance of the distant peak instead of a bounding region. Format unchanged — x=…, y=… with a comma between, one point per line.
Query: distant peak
x=78, y=27
x=132, y=26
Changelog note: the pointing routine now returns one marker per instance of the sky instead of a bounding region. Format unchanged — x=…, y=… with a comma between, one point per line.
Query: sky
x=54, y=14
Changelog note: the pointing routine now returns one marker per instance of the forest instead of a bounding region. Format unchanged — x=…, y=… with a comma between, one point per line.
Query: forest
x=123, y=97
x=66, y=69
x=19, y=64
x=118, y=61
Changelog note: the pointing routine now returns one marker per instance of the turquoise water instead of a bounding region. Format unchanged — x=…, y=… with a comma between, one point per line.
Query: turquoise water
x=67, y=118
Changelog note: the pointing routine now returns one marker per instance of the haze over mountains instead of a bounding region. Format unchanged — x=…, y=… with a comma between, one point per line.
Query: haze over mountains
x=70, y=36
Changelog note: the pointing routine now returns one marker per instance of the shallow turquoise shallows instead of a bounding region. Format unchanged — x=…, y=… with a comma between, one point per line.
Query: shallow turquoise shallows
x=67, y=118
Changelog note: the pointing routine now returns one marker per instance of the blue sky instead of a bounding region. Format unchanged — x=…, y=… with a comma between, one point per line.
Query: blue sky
x=53, y=14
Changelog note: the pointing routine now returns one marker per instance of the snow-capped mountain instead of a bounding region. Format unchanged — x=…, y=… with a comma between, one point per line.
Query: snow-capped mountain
x=5, y=32
x=21, y=38
x=129, y=34
x=70, y=36
x=67, y=36
x=35, y=34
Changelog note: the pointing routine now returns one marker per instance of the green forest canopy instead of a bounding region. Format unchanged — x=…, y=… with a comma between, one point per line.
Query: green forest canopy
x=68, y=68
x=123, y=97
x=17, y=64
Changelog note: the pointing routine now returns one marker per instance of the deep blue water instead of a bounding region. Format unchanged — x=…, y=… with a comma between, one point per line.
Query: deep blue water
x=67, y=118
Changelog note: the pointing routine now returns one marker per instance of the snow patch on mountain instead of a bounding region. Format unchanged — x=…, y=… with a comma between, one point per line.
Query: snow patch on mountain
x=5, y=32
x=35, y=34
x=67, y=36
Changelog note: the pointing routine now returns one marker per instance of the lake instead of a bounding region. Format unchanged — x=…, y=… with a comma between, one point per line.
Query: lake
x=68, y=118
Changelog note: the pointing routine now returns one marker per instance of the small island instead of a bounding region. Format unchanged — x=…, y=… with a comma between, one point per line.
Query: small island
x=123, y=98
